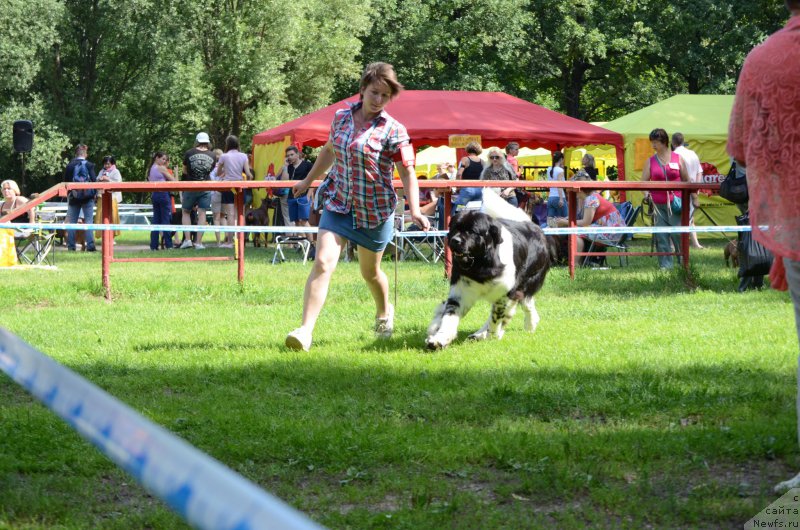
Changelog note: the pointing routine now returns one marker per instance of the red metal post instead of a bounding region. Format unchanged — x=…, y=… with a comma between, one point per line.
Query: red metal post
x=108, y=244
x=240, y=235
x=572, y=239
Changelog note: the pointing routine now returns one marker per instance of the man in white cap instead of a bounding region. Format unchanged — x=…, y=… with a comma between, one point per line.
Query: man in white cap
x=197, y=165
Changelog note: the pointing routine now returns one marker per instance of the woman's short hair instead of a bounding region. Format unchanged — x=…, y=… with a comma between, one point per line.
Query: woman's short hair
x=231, y=142
x=581, y=176
x=380, y=73
x=588, y=160
x=474, y=148
x=659, y=135
x=110, y=159
x=511, y=146
x=11, y=185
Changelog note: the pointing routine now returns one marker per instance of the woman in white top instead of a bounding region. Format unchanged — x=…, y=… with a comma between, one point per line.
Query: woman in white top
x=216, y=196
x=232, y=164
x=109, y=173
x=557, y=200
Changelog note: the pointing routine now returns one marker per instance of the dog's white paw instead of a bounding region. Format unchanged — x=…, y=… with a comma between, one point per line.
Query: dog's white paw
x=436, y=342
x=786, y=485
x=531, y=322
x=481, y=334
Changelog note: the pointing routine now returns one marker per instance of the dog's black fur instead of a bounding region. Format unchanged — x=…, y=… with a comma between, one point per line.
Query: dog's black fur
x=485, y=267
x=473, y=239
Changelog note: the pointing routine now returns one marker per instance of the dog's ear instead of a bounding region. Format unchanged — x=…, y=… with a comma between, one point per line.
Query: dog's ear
x=494, y=232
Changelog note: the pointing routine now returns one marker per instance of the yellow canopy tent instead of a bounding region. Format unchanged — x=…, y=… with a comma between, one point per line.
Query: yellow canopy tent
x=703, y=120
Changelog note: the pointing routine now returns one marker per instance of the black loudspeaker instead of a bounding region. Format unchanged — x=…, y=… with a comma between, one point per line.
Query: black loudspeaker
x=23, y=136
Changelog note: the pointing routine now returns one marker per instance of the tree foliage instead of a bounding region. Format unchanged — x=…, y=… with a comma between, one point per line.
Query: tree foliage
x=130, y=77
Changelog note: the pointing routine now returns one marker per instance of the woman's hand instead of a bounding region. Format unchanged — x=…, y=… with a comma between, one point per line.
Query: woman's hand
x=421, y=221
x=300, y=189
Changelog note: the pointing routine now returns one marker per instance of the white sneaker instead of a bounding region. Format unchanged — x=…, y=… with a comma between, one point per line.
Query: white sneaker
x=199, y=246
x=187, y=243
x=226, y=245
x=384, y=326
x=299, y=339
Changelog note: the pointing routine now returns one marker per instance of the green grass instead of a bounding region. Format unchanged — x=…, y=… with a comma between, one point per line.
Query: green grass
x=638, y=401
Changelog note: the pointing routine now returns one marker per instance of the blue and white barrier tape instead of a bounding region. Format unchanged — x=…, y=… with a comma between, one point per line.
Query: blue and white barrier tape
x=585, y=230
x=203, y=491
x=313, y=229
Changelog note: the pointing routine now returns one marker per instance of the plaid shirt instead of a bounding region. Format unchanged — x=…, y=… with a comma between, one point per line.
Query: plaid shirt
x=361, y=177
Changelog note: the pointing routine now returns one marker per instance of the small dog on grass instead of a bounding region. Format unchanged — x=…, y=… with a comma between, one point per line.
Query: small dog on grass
x=732, y=254
x=258, y=217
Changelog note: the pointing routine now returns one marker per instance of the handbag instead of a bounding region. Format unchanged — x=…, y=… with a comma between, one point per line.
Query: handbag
x=676, y=205
x=754, y=258
x=734, y=188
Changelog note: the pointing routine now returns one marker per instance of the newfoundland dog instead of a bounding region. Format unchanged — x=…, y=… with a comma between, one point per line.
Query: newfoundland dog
x=499, y=255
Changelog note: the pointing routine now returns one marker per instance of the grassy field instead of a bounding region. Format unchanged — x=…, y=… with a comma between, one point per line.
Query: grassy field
x=639, y=402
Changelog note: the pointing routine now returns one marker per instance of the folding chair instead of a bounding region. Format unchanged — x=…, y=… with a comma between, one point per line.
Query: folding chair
x=302, y=244
x=622, y=244
x=36, y=248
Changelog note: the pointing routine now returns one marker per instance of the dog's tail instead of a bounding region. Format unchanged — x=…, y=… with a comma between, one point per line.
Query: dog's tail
x=495, y=206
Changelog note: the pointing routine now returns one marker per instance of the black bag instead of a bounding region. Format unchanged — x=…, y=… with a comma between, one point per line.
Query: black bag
x=754, y=258
x=734, y=189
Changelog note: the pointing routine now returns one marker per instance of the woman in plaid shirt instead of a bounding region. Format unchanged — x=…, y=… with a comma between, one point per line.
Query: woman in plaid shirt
x=364, y=145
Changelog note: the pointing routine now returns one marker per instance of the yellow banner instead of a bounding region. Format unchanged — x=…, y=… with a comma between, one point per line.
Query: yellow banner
x=460, y=141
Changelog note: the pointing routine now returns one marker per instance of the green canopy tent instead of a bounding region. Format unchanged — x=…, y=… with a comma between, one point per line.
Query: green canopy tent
x=703, y=120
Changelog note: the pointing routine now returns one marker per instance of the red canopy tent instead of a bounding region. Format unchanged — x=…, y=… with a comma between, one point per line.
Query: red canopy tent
x=432, y=116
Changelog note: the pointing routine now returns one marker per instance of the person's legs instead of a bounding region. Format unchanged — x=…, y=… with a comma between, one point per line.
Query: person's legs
x=285, y=211
x=793, y=279
x=370, y=264
x=228, y=215
x=661, y=218
x=72, y=217
x=201, y=221
x=88, y=215
x=329, y=248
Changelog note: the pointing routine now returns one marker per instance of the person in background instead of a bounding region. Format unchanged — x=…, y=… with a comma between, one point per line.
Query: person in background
x=512, y=150
x=13, y=199
x=763, y=129
x=597, y=211
x=499, y=169
x=451, y=171
x=109, y=173
x=664, y=165
x=695, y=170
x=197, y=165
x=471, y=166
x=235, y=167
x=80, y=206
x=588, y=166
x=364, y=144
x=162, y=202
x=557, y=198
x=297, y=168
x=216, y=196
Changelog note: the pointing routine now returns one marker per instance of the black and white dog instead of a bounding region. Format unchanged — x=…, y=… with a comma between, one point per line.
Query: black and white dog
x=499, y=255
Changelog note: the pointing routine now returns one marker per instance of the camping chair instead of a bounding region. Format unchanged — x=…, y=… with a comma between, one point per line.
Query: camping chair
x=618, y=246
x=302, y=244
x=36, y=248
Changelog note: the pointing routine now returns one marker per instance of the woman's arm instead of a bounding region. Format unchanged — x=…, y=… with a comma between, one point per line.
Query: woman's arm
x=247, y=172
x=164, y=172
x=409, y=178
x=646, y=177
x=323, y=163
x=461, y=168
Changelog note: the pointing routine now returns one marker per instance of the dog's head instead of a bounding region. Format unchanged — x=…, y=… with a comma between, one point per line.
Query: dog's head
x=473, y=236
